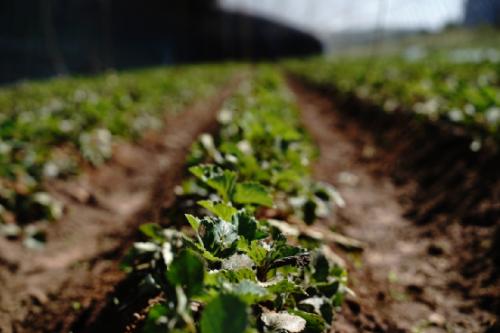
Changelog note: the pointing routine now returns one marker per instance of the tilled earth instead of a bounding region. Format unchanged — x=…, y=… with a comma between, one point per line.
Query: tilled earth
x=423, y=267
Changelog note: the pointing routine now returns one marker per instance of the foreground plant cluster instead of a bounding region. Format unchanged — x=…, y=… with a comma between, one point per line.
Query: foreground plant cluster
x=461, y=86
x=49, y=129
x=243, y=266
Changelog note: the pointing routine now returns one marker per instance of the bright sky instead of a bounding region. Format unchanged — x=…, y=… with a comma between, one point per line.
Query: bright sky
x=337, y=15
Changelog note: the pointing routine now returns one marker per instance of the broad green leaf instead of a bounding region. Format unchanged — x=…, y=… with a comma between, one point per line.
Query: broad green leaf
x=151, y=230
x=257, y=252
x=193, y=221
x=314, y=322
x=187, y=270
x=218, y=236
x=223, y=181
x=285, y=286
x=203, y=171
x=246, y=224
x=222, y=210
x=281, y=250
x=224, y=184
x=252, y=193
x=232, y=276
x=251, y=292
x=224, y=314
x=206, y=254
x=285, y=132
x=286, y=179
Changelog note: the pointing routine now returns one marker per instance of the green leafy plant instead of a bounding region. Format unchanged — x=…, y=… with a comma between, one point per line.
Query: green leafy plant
x=77, y=120
x=240, y=271
x=458, y=85
x=226, y=185
x=236, y=271
x=262, y=148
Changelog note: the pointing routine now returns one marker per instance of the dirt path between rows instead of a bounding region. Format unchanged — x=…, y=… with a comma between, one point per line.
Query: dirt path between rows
x=64, y=286
x=405, y=279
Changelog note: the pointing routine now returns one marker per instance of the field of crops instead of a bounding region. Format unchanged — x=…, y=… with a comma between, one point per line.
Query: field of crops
x=460, y=86
x=51, y=129
x=346, y=194
x=233, y=262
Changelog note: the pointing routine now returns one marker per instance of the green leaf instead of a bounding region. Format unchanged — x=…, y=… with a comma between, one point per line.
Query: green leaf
x=285, y=286
x=154, y=318
x=240, y=274
x=221, y=210
x=281, y=250
x=224, y=314
x=329, y=289
x=251, y=292
x=321, y=267
x=309, y=211
x=208, y=256
x=193, y=221
x=252, y=193
x=188, y=271
x=218, y=236
x=152, y=230
x=203, y=171
x=314, y=322
x=246, y=224
x=223, y=181
x=257, y=252
x=232, y=276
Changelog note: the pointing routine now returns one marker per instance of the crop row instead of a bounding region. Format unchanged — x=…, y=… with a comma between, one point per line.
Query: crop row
x=48, y=129
x=244, y=263
x=459, y=86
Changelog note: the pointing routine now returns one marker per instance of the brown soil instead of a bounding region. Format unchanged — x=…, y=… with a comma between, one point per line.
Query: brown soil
x=63, y=286
x=424, y=206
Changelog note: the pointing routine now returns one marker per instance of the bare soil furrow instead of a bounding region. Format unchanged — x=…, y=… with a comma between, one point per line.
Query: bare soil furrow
x=410, y=275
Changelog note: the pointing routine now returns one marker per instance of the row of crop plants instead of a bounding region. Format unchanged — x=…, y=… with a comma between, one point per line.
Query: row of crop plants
x=241, y=264
x=49, y=129
x=459, y=86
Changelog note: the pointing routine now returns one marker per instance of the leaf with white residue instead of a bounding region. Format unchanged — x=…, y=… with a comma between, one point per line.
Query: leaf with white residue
x=283, y=321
